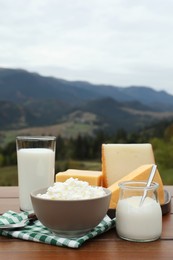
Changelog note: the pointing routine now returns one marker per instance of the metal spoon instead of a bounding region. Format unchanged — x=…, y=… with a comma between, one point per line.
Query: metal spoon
x=30, y=219
x=153, y=171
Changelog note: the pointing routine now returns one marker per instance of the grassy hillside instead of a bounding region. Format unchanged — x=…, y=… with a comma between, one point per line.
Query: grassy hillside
x=70, y=128
x=8, y=175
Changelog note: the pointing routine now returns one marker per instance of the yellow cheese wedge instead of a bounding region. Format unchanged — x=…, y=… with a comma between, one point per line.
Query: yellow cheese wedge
x=140, y=174
x=94, y=178
x=120, y=159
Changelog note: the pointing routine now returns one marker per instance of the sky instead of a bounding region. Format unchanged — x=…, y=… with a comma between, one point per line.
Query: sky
x=113, y=42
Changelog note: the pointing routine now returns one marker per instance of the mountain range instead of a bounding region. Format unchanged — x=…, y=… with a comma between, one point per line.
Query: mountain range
x=31, y=100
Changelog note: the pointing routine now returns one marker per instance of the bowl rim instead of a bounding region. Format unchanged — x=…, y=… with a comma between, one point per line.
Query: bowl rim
x=35, y=192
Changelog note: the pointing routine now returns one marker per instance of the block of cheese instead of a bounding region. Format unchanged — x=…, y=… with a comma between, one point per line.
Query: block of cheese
x=94, y=178
x=120, y=159
x=140, y=174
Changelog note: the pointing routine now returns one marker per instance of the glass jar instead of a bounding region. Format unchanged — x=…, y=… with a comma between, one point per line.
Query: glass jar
x=135, y=222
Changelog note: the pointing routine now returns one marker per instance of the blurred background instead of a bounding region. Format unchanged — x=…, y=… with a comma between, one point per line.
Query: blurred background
x=88, y=73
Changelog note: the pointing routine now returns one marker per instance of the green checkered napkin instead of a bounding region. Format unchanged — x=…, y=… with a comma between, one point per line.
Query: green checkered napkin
x=39, y=233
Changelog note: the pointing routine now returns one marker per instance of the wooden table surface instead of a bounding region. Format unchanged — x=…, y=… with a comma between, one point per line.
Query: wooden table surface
x=106, y=246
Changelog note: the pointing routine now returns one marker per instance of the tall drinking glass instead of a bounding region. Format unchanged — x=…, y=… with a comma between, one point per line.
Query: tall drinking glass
x=36, y=165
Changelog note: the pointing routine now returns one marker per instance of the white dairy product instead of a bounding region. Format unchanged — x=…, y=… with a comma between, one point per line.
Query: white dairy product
x=140, y=223
x=36, y=169
x=72, y=189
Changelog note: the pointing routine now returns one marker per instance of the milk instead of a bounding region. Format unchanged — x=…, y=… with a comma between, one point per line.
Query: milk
x=36, y=169
x=138, y=223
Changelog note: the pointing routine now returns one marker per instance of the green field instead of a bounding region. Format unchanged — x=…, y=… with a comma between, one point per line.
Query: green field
x=68, y=129
x=8, y=175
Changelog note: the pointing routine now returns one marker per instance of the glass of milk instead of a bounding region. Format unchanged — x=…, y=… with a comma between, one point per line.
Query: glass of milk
x=135, y=222
x=36, y=165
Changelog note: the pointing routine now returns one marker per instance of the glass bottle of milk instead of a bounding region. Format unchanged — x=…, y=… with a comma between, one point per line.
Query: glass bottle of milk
x=136, y=222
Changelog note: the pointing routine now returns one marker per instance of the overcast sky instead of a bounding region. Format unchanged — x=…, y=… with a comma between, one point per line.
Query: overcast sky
x=117, y=42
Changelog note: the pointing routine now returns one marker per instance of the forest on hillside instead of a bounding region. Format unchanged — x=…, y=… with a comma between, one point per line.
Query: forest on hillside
x=88, y=148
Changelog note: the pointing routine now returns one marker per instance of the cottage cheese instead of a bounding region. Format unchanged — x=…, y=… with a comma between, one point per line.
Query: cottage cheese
x=72, y=189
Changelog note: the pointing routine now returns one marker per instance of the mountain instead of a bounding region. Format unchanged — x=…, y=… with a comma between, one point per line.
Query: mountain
x=19, y=85
x=158, y=100
x=29, y=99
x=22, y=86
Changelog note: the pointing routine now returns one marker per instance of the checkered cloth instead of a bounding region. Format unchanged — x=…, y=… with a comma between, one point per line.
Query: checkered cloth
x=39, y=233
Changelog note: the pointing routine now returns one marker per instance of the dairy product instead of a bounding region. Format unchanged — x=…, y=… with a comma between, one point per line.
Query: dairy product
x=138, y=223
x=35, y=170
x=72, y=189
x=140, y=174
x=118, y=160
x=94, y=178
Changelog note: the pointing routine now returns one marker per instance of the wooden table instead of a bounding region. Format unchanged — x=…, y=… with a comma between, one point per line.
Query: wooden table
x=106, y=246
